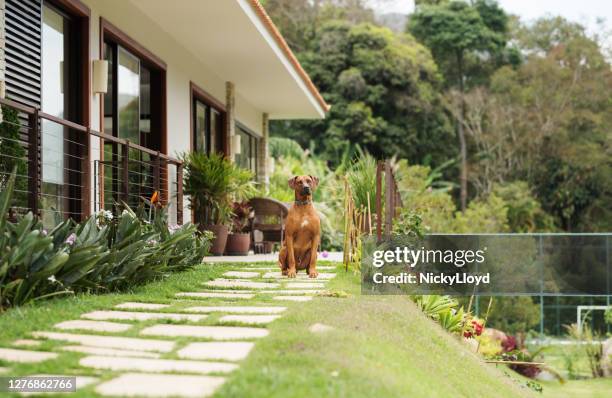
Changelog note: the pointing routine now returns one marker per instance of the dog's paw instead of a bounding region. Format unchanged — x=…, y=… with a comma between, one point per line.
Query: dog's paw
x=291, y=273
x=313, y=274
x=284, y=272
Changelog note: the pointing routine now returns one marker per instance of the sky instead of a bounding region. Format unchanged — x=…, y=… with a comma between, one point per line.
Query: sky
x=586, y=12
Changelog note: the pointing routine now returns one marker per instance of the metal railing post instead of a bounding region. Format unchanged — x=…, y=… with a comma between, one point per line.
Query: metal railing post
x=34, y=161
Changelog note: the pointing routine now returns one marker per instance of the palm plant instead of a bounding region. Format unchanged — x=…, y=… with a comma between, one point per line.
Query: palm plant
x=213, y=183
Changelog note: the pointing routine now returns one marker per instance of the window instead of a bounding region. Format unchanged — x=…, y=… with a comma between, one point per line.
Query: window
x=247, y=158
x=207, y=124
x=134, y=107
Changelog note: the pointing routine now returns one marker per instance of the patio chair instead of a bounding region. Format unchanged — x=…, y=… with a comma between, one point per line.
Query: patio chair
x=268, y=223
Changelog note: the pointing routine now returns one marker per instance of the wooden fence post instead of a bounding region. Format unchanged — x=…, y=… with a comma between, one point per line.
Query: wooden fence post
x=179, y=193
x=125, y=172
x=379, y=201
x=388, y=199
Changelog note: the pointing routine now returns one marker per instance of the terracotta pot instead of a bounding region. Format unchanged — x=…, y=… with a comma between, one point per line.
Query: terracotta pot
x=218, y=244
x=238, y=244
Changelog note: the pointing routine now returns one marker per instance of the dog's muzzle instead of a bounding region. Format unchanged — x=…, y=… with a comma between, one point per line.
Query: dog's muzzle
x=306, y=191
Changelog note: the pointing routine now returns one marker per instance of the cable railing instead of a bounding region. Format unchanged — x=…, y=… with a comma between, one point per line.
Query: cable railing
x=66, y=170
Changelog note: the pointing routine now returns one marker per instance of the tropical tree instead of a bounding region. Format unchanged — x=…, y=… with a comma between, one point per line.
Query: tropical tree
x=384, y=90
x=461, y=35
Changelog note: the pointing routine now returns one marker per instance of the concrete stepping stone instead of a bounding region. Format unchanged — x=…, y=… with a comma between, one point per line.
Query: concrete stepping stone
x=250, y=319
x=27, y=343
x=229, y=351
x=320, y=328
x=208, y=332
x=25, y=356
x=3, y=370
x=292, y=298
x=160, y=386
x=300, y=275
x=155, y=365
x=242, y=274
x=293, y=291
x=93, y=326
x=141, y=306
x=304, y=285
x=109, y=352
x=237, y=309
x=270, y=269
x=238, y=283
x=245, y=296
x=123, y=343
x=140, y=316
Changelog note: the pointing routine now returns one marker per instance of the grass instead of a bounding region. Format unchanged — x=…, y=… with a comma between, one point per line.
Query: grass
x=380, y=346
x=590, y=388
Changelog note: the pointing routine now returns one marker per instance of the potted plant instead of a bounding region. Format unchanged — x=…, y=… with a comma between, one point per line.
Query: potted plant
x=239, y=240
x=213, y=183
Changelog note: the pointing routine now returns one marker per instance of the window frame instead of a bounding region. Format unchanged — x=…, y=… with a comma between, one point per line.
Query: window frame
x=196, y=93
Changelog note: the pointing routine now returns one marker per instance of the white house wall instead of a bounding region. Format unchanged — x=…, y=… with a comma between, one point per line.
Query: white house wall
x=182, y=67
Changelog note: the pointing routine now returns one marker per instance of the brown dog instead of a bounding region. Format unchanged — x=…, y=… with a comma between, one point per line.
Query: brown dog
x=302, y=230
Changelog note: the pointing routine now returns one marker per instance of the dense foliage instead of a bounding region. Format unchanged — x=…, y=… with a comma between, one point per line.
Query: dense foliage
x=497, y=109
x=213, y=184
x=103, y=253
x=385, y=94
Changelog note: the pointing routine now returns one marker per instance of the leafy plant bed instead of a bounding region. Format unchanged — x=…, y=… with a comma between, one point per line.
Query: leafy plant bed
x=101, y=254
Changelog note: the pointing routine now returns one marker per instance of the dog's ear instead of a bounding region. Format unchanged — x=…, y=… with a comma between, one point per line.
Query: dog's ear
x=292, y=182
x=315, y=181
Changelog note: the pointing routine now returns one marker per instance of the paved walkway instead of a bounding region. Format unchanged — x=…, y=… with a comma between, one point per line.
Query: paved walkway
x=271, y=257
x=182, y=349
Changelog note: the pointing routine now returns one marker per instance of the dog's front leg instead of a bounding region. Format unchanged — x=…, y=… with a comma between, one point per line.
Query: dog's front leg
x=312, y=266
x=291, y=271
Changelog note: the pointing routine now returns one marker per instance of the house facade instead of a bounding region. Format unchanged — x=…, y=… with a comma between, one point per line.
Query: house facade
x=109, y=93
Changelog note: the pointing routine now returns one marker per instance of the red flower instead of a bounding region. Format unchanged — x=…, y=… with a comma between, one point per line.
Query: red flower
x=509, y=344
x=475, y=329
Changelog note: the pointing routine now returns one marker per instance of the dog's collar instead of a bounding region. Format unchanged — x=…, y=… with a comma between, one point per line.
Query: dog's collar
x=302, y=202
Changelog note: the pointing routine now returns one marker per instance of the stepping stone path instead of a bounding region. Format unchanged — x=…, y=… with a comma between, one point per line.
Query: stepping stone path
x=250, y=319
x=141, y=316
x=189, y=357
x=93, y=326
x=234, y=283
x=205, y=295
x=238, y=310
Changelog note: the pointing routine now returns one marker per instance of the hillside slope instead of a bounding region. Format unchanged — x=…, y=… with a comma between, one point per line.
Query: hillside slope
x=379, y=347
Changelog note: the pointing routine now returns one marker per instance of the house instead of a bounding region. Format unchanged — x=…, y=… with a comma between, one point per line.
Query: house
x=110, y=92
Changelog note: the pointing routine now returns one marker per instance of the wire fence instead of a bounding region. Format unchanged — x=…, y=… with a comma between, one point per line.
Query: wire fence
x=65, y=170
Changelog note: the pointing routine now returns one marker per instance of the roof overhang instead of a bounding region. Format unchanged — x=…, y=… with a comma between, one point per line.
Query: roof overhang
x=238, y=42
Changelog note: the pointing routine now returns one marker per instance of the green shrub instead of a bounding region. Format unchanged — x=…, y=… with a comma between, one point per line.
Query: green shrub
x=213, y=183
x=97, y=255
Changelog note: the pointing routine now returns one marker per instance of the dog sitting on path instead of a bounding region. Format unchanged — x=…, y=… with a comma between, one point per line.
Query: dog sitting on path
x=302, y=230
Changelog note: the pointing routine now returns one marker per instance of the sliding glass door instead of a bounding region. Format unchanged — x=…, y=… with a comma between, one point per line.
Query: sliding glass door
x=127, y=112
x=54, y=101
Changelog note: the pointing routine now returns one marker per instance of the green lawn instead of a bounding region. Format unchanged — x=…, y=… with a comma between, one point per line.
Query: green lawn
x=591, y=388
x=381, y=346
